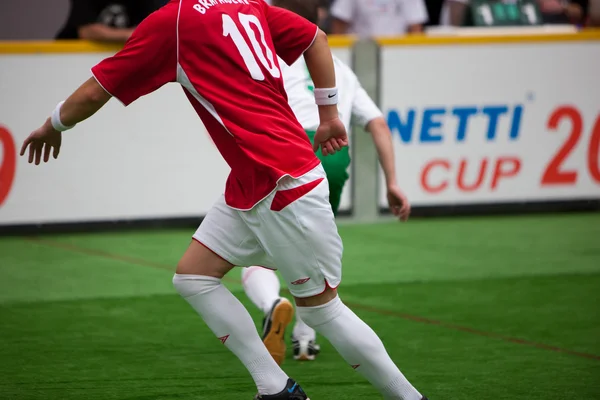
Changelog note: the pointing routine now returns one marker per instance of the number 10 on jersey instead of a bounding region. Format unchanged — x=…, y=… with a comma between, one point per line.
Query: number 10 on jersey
x=263, y=53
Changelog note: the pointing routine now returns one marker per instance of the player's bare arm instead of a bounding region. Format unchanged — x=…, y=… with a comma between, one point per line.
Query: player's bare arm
x=382, y=138
x=82, y=104
x=331, y=134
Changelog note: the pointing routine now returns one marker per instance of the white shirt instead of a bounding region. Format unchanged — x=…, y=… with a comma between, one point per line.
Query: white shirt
x=368, y=18
x=354, y=104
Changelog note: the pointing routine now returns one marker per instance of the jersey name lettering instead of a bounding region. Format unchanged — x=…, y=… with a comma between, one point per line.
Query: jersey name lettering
x=205, y=5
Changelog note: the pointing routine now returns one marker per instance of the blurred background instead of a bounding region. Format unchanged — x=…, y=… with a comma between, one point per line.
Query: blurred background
x=63, y=19
x=490, y=291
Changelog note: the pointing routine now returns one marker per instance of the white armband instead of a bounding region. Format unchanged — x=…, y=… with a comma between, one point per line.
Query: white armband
x=55, y=119
x=326, y=97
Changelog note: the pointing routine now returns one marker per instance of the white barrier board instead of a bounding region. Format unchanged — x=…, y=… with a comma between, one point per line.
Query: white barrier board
x=153, y=159
x=494, y=123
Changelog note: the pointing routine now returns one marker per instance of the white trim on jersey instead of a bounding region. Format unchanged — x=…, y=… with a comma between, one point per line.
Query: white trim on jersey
x=177, y=36
x=111, y=95
x=184, y=81
x=311, y=42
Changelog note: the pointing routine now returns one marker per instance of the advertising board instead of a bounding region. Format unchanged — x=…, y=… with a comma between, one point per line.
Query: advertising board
x=501, y=123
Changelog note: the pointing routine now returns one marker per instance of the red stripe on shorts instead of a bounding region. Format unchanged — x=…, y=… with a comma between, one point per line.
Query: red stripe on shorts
x=284, y=198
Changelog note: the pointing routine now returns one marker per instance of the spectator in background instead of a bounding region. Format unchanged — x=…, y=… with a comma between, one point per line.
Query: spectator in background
x=594, y=13
x=458, y=12
x=106, y=20
x=563, y=11
x=368, y=18
x=434, y=9
x=323, y=22
x=324, y=15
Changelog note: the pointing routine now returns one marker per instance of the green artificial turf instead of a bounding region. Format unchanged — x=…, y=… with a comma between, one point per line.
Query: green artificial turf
x=473, y=308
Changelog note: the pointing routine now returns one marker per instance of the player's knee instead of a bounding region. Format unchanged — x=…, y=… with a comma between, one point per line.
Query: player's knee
x=320, y=309
x=191, y=285
x=315, y=316
x=318, y=300
x=199, y=260
x=185, y=266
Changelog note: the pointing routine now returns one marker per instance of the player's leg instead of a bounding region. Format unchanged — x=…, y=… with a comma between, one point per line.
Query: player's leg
x=311, y=266
x=198, y=280
x=262, y=287
x=304, y=338
x=304, y=341
x=356, y=342
x=336, y=168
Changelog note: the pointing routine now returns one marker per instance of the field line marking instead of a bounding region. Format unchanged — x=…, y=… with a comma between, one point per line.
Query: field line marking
x=358, y=306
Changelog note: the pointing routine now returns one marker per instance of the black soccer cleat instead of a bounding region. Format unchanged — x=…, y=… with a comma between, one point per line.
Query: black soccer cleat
x=292, y=391
x=424, y=398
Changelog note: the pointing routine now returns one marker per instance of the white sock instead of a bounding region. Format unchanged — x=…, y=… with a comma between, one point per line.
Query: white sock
x=261, y=286
x=230, y=321
x=303, y=331
x=360, y=347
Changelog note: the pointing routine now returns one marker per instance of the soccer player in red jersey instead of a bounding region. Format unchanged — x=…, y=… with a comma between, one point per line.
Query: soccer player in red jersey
x=275, y=211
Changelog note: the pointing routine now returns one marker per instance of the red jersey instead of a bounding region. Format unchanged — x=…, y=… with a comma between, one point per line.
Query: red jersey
x=223, y=53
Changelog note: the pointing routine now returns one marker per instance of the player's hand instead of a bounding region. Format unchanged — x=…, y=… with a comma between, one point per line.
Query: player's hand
x=42, y=141
x=398, y=202
x=330, y=136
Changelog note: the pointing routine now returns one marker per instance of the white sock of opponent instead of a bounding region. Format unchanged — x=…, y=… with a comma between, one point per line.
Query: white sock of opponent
x=230, y=321
x=360, y=347
x=303, y=331
x=261, y=286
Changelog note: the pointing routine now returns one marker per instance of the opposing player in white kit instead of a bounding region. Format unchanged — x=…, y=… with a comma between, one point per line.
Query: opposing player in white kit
x=262, y=285
x=275, y=210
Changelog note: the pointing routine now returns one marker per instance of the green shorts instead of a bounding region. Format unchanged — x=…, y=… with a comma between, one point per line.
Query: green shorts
x=336, y=168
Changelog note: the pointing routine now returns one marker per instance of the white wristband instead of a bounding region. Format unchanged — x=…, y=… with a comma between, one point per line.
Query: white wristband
x=55, y=119
x=326, y=97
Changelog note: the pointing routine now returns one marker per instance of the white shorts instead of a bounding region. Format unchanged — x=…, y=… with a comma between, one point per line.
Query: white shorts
x=293, y=230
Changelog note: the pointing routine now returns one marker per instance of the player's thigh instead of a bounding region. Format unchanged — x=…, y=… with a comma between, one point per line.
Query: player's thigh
x=199, y=260
x=302, y=242
x=222, y=241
